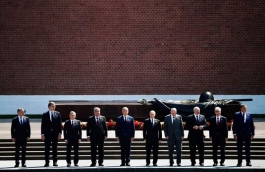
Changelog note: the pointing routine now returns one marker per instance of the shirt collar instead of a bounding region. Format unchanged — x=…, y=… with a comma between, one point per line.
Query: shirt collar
x=197, y=115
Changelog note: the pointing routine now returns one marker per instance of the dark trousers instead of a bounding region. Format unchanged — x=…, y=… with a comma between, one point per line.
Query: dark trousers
x=22, y=144
x=75, y=144
x=52, y=139
x=125, y=144
x=218, y=141
x=240, y=141
x=97, y=142
x=171, y=143
x=200, y=145
x=151, y=144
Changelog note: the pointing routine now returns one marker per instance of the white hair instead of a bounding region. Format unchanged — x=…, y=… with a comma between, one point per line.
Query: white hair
x=96, y=108
x=196, y=107
x=175, y=109
x=125, y=108
x=217, y=109
x=153, y=112
x=73, y=112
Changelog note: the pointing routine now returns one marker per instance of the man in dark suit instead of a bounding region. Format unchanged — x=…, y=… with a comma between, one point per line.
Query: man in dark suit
x=174, y=133
x=97, y=132
x=196, y=123
x=72, y=136
x=20, y=134
x=218, y=132
x=125, y=131
x=152, y=136
x=244, y=131
x=51, y=129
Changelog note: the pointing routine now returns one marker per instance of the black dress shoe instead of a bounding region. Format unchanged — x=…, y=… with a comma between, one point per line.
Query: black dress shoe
x=76, y=165
x=46, y=165
x=17, y=165
x=68, y=165
x=222, y=164
x=179, y=164
x=192, y=164
x=170, y=164
x=24, y=165
x=214, y=164
x=55, y=164
x=122, y=164
x=128, y=164
x=92, y=165
x=147, y=164
x=201, y=164
x=101, y=164
x=155, y=165
x=239, y=165
x=249, y=164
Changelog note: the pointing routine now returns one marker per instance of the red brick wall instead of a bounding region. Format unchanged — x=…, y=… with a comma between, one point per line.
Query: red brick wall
x=132, y=47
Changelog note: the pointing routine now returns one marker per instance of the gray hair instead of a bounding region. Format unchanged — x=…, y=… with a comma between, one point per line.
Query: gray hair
x=196, y=107
x=217, y=109
x=175, y=109
x=125, y=108
x=73, y=112
x=20, y=109
x=152, y=111
x=96, y=108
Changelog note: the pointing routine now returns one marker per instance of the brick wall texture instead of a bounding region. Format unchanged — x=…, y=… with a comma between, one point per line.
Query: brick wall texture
x=76, y=47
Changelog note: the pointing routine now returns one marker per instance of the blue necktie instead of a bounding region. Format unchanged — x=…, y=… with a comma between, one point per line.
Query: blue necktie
x=21, y=121
x=97, y=121
x=197, y=117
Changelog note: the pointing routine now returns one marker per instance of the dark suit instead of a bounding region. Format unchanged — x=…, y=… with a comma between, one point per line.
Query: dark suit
x=20, y=132
x=218, y=133
x=152, y=134
x=125, y=130
x=51, y=129
x=97, y=134
x=72, y=133
x=196, y=137
x=243, y=131
x=174, y=131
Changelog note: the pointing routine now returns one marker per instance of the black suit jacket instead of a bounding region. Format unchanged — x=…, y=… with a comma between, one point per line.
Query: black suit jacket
x=74, y=132
x=97, y=131
x=191, y=122
x=218, y=131
x=151, y=132
x=18, y=131
x=47, y=125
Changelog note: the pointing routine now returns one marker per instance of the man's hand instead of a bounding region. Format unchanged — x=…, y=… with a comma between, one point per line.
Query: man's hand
x=182, y=138
x=226, y=139
x=132, y=139
x=167, y=137
x=13, y=140
x=201, y=127
x=79, y=140
x=59, y=136
x=42, y=137
x=195, y=127
x=145, y=140
x=28, y=138
x=235, y=137
x=66, y=141
x=211, y=138
x=88, y=139
x=252, y=137
x=105, y=138
x=159, y=141
x=117, y=138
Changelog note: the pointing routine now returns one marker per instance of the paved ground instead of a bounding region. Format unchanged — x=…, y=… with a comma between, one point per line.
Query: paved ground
x=5, y=127
x=33, y=165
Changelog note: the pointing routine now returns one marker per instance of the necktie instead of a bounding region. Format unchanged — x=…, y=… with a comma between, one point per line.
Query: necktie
x=174, y=119
x=153, y=122
x=97, y=121
x=197, y=119
x=218, y=122
x=21, y=122
x=72, y=123
x=125, y=119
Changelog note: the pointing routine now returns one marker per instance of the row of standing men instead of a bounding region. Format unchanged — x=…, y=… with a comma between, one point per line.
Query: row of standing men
x=97, y=133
